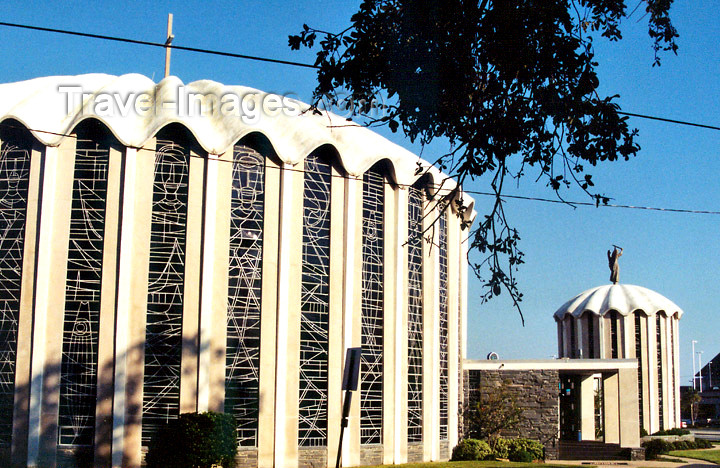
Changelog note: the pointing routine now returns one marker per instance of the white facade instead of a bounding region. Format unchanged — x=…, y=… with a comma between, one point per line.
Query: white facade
x=629, y=322
x=159, y=260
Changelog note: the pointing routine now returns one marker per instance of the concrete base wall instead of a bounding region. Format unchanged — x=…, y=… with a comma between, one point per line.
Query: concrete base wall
x=315, y=457
x=415, y=453
x=371, y=454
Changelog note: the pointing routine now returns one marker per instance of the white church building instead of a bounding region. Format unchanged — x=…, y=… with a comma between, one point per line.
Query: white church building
x=170, y=248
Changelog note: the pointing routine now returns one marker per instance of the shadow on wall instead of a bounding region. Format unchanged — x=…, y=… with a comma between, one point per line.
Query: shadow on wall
x=43, y=435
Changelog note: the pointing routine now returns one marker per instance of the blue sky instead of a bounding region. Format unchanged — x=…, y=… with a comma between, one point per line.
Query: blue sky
x=675, y=254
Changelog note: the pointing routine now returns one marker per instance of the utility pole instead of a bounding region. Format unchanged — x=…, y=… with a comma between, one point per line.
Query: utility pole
x=693, y=361
x=168, y=41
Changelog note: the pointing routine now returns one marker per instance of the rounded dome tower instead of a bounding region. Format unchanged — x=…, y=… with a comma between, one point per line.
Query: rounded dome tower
x=621, y=321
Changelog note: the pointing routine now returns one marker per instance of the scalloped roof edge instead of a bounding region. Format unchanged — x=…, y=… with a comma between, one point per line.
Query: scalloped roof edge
x=135, y=108
x=622, y=298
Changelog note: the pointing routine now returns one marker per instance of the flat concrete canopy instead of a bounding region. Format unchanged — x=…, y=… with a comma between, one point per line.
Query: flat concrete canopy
x=564, y=365
x=576, y=397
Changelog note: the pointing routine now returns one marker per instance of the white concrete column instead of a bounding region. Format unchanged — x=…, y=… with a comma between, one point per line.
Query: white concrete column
x=587, y=407
x=611, y=408
x=288, y=317
x=191, y=284
x=603, y=343
x=106, y=335
x=463, y=264
x=52, y=253
x=352, y=305
x=268, y=314
x=629, y=424
x=336, y=348
x=400, y=414
x=132, y=279
x=214, y=292
x=392, y=248
x=628, y=335
x=207, y=280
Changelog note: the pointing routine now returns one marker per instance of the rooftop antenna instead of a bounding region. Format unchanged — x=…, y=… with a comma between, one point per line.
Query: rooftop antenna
x=168, y=41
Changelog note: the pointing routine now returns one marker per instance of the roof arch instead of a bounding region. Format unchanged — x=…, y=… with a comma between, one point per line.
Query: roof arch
x=135, y=108
x=625, y=299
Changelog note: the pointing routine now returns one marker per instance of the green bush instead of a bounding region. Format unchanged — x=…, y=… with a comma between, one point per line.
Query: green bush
x=533, y=447
x=470, y=449
x=655, y=447
x=522, y=456
x=643, y=432
x=500, y=447
x=194, y=440
x=681, y=445
x=703, y=444
x=671, y=432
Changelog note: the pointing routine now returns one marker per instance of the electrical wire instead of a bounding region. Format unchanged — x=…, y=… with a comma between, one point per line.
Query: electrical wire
x=663, y=119
x=157, y=44
x=433, y=186
x=305, y=65
x=272, y=60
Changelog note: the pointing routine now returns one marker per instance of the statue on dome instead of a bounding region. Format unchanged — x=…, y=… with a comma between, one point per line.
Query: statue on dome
x=613, y=263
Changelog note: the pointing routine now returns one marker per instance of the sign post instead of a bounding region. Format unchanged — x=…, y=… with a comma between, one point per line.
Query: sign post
x=351, y=375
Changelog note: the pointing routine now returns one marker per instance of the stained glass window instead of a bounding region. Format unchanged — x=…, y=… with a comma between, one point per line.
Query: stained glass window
x=14, y=176
x=415, y=314
x=589, y=319
x=638, y=355
x=614, y=338
x=672, y=369
x=242, y=358
x=163, y=332
x=78, y=371
x=443, y=324
x=315, y=303
x=372, y=311
x=661, y=390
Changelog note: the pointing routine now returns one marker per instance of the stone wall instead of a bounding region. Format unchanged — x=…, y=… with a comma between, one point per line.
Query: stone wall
x=444, y=450
x=312, y=457
x=536, y=391
x=371, y=454
x=246, y=458
x=415, y=453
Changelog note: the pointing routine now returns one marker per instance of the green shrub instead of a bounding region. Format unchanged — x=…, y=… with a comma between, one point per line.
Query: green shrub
x=471, y=449
x=643, y=432
x=500, y=447
x=655, y=447
x=194, y=441
x=681, y=445
x=522, y=456
x=671, y=432
x=533, y=447
x=703, y=444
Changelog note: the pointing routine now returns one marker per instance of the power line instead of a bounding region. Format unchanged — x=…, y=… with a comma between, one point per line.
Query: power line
x=157, y=44
x=663, y=119
x=608, y=205
x=434, y=186
x=278, y=61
